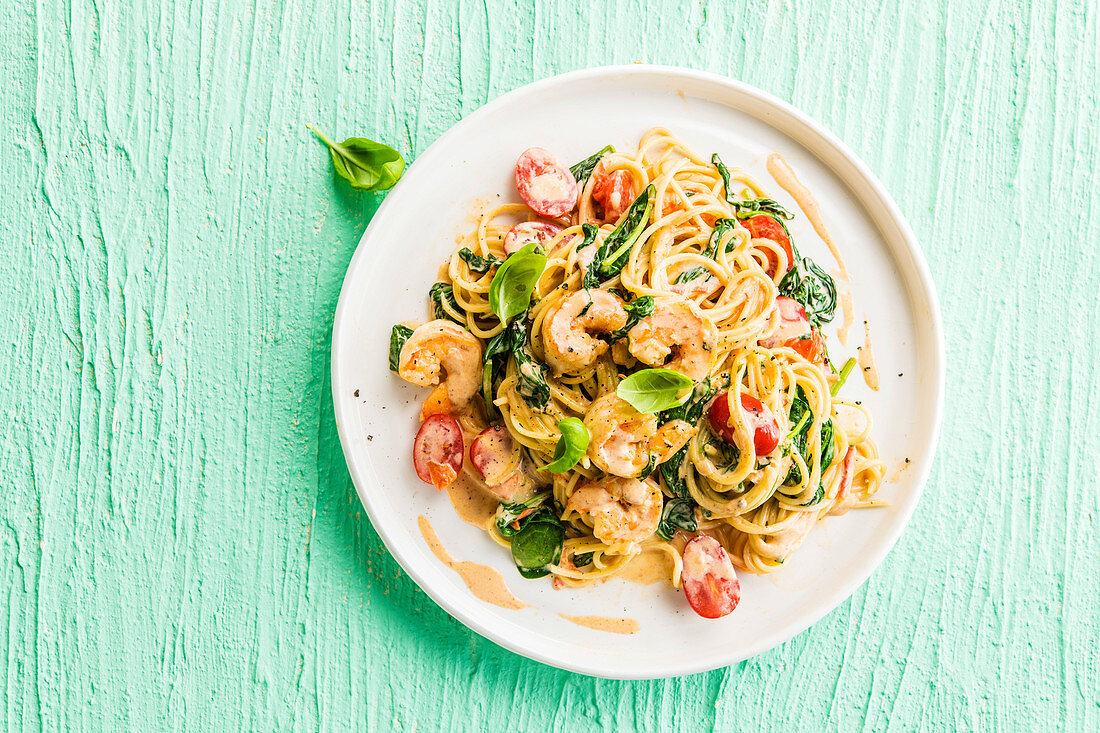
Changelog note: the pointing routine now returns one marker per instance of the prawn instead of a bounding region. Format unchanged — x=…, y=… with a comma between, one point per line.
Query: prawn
x=567, y=332
x=676, y=335
x=620, y=509
x=442, y=346
x=624, y=441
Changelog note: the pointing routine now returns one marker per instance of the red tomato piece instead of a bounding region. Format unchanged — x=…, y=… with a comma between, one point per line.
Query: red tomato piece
x=709, y=579
x=437, y=450
x=490, y=452
x=794, y=323
x=811, y=348
x=545, y=183
x=763, y=226
x=614, y=191
x=529, y=232
x=765, y=436
x=845, y=499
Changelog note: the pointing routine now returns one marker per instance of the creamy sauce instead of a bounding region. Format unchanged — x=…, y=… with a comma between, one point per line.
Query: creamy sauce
x=482, y=580
x=648, y=568
x=605, y=623
x=898, y=471
x=786, y=178
x=472, y=504
x=867, y=359
x=849, y=317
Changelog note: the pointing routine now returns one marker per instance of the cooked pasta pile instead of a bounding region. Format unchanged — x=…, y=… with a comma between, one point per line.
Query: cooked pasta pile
x=698, y=276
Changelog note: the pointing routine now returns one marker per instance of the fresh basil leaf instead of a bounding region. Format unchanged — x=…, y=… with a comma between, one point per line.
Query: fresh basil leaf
x=689, y=275
x=365, y=164
x=538, y=545
x=672, y=473
x=727, y=454
x=812, y=288
x=625, y=295
x=496, y=357
x=571, y=446
x=444, y=304
x=581, y=171
x=589, y=231
x=817, y=497
x=721, y=227
x=585, y=558
x=748, y=207
x=480, y=265
x=692, y=409
x=828, y=443
x=678, y=513
x=654, y=390
x=398, y=336
x=635, y=311
x=510, y=517
x=615, y=250
x=532, y=386
x=510, y=291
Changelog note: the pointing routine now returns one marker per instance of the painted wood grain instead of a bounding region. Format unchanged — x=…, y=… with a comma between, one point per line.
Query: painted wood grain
x=181, y=544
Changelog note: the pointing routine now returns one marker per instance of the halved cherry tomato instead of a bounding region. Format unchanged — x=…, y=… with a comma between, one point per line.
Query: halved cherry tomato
x=614, y=191
x=528, y=232
x=765, y=436
x=812, y=348
x=490, y=452
x=437, y=450
x=763, y=226
x=709, y=579
x=545, y=183
x=794, y=323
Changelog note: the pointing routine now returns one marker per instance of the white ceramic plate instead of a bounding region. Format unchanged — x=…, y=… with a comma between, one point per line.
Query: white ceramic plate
x=573, y=115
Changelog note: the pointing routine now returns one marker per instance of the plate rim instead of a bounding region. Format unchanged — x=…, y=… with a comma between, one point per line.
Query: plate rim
x=597, y=667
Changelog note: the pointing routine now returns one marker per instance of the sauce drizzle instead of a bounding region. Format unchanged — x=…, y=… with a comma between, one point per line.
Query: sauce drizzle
x=786, y=178
x=605, y=623
x=482, y=580
x=867, y=359
x=849, y=317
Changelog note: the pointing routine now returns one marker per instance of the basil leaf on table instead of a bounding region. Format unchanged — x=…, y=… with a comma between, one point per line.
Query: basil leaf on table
x=365, y=164
x=654, y=390
x=398, y=336
x=510, y=291
x=571, y=446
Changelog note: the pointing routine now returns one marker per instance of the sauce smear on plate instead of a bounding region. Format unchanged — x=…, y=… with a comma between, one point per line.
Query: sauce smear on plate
x=605, y=623
x=482, y=580
x=786, y=178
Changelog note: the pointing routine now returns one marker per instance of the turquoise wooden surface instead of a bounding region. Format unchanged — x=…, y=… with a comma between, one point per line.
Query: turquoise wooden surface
x=181, y=546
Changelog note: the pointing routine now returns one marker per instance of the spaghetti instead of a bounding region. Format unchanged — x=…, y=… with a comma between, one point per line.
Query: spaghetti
x=653, y=261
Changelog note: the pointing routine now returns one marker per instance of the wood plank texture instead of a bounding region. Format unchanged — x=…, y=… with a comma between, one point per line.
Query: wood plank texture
x=180, y=544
